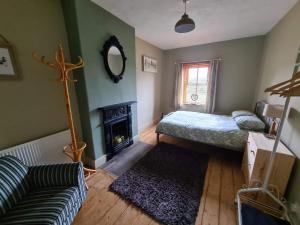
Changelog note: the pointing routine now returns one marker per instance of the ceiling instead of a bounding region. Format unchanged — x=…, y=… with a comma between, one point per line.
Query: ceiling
x=216, y=20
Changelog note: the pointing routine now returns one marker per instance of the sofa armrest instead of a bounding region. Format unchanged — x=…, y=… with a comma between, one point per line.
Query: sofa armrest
x=70, y=174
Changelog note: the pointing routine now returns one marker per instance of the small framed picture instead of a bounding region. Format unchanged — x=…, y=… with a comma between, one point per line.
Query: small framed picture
x=149, y=64
x=8, y=66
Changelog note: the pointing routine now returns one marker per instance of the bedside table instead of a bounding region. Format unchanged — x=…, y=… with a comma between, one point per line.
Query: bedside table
x=256, y=159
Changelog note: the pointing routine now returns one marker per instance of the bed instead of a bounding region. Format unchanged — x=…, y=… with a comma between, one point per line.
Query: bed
x=218, y=130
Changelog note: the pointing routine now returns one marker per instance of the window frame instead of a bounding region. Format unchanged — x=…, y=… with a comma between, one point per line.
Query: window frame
x=185, y=76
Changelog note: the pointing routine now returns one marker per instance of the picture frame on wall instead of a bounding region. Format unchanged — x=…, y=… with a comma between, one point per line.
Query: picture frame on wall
x=149, y=64
x=8, y=65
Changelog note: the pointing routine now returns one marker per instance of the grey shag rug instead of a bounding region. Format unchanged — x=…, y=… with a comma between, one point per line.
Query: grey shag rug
x=167, y=184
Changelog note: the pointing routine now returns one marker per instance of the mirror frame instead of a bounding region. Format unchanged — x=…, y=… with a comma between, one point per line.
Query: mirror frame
x=113, y=41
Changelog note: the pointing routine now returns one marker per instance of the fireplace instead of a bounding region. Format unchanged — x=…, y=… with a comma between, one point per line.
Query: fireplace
x=117, y=123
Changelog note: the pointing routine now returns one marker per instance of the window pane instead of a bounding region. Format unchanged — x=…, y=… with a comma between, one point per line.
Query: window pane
x=202, y=76
x=196, y=86
x=202, y=94
x=192, y=78
x=191, y=89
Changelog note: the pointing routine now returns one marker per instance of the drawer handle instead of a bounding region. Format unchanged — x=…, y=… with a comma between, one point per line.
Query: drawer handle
x=253, y=152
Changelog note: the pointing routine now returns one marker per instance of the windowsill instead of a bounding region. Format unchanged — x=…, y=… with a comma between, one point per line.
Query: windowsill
x=193, y=108
x=191, y=104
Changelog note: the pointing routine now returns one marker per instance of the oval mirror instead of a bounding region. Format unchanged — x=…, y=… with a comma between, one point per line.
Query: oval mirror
x=114, y=59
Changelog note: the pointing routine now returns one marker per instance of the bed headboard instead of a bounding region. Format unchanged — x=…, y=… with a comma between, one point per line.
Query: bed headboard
x=259, y=109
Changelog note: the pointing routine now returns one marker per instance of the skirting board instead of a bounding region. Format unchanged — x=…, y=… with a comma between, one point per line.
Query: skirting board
x=102, y=160
x=92, y=163
x=149, y=125
x=136, y=138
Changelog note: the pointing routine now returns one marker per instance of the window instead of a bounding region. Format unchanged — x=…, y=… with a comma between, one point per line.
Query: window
x=195, y=83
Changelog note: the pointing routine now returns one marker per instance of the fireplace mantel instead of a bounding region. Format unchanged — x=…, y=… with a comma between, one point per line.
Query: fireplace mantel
x=104, y=108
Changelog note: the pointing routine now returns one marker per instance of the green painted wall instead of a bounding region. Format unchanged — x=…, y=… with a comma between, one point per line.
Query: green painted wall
x=89, y=26
x=34, y=106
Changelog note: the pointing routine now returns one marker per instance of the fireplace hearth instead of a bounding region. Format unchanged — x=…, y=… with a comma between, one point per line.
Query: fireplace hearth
x=117, y=123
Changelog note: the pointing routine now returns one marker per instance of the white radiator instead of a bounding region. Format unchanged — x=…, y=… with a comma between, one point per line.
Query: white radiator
x=46, y=150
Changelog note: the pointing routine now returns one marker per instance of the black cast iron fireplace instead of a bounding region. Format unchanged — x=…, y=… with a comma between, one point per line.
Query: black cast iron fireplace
x=117, y=123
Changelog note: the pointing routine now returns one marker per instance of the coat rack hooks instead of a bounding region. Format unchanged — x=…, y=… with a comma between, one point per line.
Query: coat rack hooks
x=74, y=150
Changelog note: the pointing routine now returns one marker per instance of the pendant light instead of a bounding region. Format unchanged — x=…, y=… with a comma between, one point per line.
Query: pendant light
x=185, y=24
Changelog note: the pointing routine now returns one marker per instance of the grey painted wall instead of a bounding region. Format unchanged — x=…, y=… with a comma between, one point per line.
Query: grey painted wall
x=238, y=72
x=279, y=56
x=148, y=85
x=34, y=106
x=89, y=26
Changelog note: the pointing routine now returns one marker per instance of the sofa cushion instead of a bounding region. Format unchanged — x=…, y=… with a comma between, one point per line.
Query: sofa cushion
x=56, y=205
x=13, y=180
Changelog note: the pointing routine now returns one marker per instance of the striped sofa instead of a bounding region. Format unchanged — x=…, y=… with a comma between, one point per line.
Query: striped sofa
x=50, y=194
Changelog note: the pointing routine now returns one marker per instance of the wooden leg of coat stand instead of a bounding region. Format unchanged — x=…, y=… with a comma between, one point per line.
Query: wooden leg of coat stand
x=88, y=173
x=75, y=155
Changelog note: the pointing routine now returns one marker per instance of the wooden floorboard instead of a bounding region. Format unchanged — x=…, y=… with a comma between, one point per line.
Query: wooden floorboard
x=223, y=178
x=211, y=214
x=227, y=206
x=203, y=200
x=113, y=215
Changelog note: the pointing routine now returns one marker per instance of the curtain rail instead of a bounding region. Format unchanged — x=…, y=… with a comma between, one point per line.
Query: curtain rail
x=199, y=61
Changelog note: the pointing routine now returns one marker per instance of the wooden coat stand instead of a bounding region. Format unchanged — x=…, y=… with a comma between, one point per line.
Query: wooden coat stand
x=74, y=150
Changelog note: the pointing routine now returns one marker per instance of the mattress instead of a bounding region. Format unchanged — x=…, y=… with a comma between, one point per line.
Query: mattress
x=218, y=130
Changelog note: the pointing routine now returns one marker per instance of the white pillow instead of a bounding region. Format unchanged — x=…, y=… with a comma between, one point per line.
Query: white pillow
x=241, y=113
x=252, y=123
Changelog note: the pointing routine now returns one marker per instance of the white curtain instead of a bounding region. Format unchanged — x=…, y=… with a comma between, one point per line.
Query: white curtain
x=212, y=86
x=178, y=95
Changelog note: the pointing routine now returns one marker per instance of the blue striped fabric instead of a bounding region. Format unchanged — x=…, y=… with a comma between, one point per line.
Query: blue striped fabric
x=45, y=206
x=13, y=182
x=49, y=194
x=58, y=175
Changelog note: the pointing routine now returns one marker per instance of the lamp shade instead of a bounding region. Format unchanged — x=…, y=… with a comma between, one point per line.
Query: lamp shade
x=274, y=111
x=185, y=24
